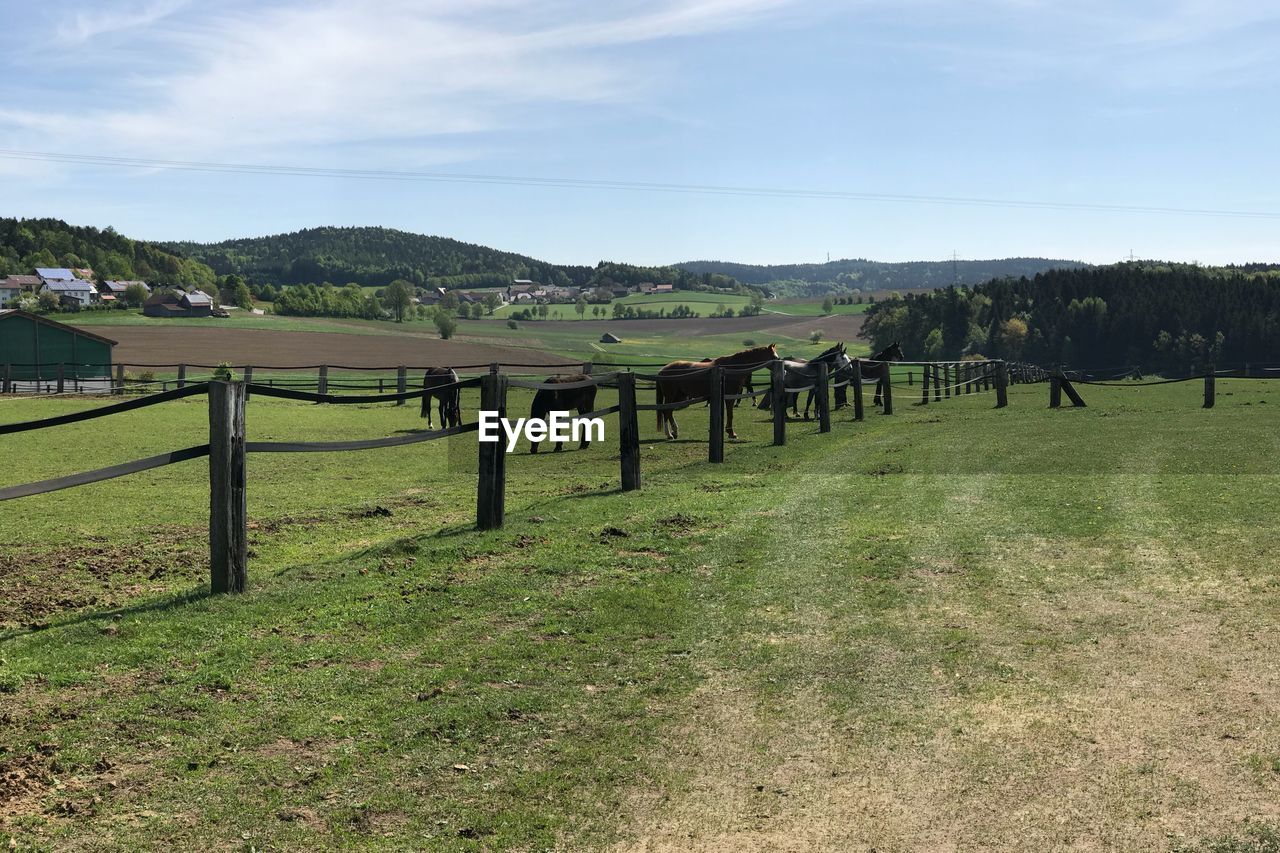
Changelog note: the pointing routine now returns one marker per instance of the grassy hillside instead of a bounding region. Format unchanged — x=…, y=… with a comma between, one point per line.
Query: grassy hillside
x=1017, y=629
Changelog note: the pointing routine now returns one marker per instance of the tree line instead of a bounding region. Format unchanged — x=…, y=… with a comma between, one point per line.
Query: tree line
x=1167, y=317
x=26, y=244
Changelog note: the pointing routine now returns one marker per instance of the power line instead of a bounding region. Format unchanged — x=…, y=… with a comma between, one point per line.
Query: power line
x=586, y=183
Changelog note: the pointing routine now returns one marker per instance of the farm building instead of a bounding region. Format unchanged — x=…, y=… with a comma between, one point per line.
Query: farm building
x=170, y=304
x=32, y=347
x=610, y=338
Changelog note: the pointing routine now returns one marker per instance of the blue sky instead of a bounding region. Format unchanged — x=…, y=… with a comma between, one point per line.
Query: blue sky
x=1149, y=104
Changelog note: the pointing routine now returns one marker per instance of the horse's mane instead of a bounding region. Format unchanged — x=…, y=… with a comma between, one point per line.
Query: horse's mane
x=755, y=355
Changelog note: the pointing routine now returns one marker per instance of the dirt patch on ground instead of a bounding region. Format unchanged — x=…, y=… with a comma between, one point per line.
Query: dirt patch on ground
x=158, y=345
x=35, y=582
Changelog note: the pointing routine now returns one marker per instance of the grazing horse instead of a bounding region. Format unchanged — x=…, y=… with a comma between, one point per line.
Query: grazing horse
x=799, y=372
x=688, y=380
x=547, y=400
x=880, y=372
x=444, y=379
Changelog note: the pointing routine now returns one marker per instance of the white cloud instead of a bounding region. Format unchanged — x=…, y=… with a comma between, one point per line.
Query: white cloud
x=287, y=80
x=83, y=26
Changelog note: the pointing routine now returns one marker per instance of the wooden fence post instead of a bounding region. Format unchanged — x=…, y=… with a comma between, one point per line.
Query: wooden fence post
x=715, y=449
x=1002, y=383
x=228, y=528
x=888, y=387
x=937, y=383
x=924, y=385
x=248, y=378
x=402, y=382
x=910, y=378
x=7, y=385
x=778, y=402
x=492, y=487
x=119, y=379
x=182, y=376
x=948, y=376
x=824, y=398
x=1210, y=392
x=856, y=381
x=1055, y=392
x=322, y=383
x=628, y=432
x=61, y=376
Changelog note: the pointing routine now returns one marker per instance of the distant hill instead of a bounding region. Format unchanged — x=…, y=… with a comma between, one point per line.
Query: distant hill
x=29, y=243
x=864, y=275
x=373, y=257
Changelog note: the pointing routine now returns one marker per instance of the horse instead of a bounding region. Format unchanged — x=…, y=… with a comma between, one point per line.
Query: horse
x=688, y=380
x=799, y=371
x=445, y=379
x=880, y=371
x=548, y=400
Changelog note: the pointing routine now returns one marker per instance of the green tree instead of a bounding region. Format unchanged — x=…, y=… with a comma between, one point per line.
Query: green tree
x=828, y=305
x=134, y=295
x=242, y=297
x=543, y=310
x=397, y=298
x=48, y=301
x=492, y=302
x=580, y=306
x=445, y=324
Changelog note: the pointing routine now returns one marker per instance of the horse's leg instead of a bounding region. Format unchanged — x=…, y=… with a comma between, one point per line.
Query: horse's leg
x=728, y=418
x=808, y=401
x=584, y=442
x=879, y=385
x=426, y=411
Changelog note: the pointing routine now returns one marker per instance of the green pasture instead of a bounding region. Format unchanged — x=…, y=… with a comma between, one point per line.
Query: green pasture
x=812, y=308
x=1018, y=629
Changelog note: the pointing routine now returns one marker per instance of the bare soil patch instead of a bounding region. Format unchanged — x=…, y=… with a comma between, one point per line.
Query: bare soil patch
x=147, y=345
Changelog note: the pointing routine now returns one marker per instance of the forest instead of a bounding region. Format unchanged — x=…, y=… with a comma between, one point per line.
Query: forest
x=29, y=243
x=1164, y=317
x=374, y=257
x=805, y=280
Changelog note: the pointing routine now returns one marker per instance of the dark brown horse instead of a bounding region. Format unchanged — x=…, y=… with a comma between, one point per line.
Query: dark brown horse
x=880, y=371
x=548, y=400
x=446, y=380
x=689, y=380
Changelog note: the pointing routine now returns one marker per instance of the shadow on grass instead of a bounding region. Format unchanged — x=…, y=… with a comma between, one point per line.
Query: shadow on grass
x=160, y=604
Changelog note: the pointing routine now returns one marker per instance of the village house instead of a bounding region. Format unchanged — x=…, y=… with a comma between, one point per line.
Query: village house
x=72, y=293
x=50, y=274
x=116, y=289
x=26, y=283
x=8, y=291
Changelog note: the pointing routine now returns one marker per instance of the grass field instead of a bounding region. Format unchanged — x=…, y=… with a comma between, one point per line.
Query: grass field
x=953, y=628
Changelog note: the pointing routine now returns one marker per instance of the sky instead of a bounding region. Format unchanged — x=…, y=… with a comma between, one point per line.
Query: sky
x=1052, y=114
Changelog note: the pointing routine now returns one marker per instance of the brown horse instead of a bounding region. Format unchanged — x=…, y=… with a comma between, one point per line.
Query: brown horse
x=548, y=400
x=689, y=380
x=450, y=410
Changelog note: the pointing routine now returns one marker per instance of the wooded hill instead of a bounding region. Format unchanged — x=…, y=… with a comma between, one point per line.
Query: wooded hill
x=29, y=243
x=1159, y=316
x=799, y=280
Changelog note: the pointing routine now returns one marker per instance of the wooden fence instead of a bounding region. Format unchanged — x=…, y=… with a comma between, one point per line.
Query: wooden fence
x=228, y=447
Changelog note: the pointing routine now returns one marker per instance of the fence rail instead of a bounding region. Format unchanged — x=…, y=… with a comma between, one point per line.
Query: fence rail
x=228, y=447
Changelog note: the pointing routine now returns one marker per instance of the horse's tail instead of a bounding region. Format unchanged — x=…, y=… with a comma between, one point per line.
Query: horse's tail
x=657, y=398
x=426, y=401
x=455, y=397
